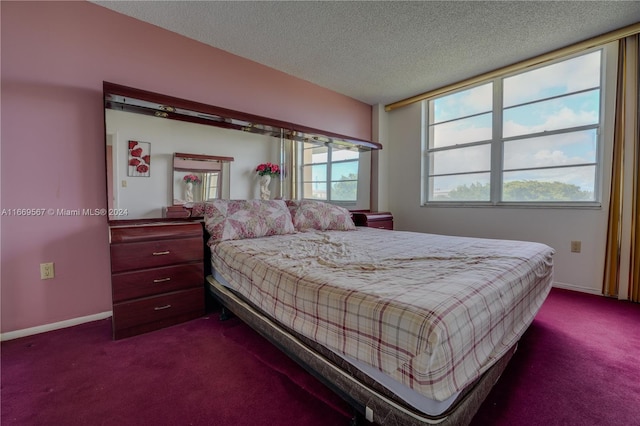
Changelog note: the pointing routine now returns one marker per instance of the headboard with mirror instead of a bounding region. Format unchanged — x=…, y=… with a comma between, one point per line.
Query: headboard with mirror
x=168, y=131
x=163, y=153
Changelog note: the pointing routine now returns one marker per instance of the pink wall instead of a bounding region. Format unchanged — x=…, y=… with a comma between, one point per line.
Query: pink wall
x=55, y=56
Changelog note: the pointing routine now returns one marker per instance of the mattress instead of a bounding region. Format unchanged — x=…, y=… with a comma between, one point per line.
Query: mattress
x=430, y=312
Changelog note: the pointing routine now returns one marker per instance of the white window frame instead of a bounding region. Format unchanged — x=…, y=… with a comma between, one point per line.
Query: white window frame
x=604, y=132
x=329, y=163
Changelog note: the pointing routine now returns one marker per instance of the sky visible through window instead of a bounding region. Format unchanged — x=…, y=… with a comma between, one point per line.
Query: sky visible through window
x=559, y=96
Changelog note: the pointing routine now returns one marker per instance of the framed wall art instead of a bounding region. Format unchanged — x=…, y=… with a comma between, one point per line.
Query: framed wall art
x=139, y=159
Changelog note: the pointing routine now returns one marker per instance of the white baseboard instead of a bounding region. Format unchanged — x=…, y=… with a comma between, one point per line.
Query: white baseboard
x=10, y=335
x=577, y=288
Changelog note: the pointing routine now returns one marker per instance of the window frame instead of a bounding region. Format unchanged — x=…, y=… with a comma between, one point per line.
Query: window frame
x=329, y=165
x=497, y=142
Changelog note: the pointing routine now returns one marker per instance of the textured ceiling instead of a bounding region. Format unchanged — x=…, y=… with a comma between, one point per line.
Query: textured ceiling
x=384, y=51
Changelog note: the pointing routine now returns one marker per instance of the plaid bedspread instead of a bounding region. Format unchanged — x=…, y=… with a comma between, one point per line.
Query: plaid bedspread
x=433, y=312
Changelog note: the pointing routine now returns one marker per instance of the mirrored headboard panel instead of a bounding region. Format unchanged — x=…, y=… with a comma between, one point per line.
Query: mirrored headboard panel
x=145, y=131
x=147, y=195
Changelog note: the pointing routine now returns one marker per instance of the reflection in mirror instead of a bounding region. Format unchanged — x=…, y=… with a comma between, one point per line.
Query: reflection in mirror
x=161, y=125
x=193, y=186
x=148, y=197
x=200, y=177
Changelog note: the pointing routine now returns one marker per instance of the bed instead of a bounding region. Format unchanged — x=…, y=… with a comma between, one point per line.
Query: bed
x=409, y=328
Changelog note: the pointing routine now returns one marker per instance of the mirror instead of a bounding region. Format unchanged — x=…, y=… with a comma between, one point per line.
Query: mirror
x=200, y=178
x=145, y=131
x=148, y=192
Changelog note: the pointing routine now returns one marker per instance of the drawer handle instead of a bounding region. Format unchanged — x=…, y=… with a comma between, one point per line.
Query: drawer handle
x=161, y=253
x=161, y=280
x=159, y=308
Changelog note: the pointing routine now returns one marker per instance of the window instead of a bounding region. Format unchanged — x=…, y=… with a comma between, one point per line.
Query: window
x=211, y=185
x=531, y=137
x=329, y=173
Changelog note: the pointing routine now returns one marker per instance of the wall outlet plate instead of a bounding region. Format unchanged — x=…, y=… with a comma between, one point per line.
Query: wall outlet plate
x=576, y=246
x=47, y=271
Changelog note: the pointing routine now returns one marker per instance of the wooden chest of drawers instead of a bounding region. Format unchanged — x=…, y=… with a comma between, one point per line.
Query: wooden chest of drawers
x=157, y=276
x=382, y=220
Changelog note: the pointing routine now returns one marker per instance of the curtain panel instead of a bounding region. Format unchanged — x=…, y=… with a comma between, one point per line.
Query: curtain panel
x=622, y=258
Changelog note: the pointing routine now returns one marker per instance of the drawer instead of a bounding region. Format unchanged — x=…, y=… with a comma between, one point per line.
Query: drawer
x=149, y=282
x=381, y=224
x=154, y=232
x=158, y=308
x=380, y=220
x=151, y=254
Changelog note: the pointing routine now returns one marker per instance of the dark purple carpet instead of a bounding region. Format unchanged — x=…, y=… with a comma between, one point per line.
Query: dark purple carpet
x=197, y=373
x=579, y=364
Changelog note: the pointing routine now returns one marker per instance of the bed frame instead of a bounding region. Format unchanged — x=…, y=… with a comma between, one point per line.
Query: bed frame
x=369, y=400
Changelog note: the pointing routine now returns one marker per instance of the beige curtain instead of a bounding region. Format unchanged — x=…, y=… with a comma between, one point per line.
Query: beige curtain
x=622, y=261
x=634, y=275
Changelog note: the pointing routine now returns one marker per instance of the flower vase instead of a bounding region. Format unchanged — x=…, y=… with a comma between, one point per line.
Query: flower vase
x=188, y=194
x=265, y=180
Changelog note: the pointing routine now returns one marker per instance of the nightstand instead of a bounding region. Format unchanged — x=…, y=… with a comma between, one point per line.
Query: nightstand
x=381, y=220
x=157, y=276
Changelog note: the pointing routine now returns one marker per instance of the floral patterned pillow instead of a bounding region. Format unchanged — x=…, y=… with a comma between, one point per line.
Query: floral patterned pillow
x=239, y=219
x=309, y=214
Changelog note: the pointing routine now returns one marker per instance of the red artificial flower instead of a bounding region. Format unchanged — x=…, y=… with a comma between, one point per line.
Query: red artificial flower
x=268, y=169
x=134, y=162
x=136, y=152
x=191, y=179
x=132, y=144
x=147, y=159
x=142, y=168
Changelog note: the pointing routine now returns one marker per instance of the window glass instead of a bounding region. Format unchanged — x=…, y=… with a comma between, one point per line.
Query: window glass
x=463, y=160
x=318, y=172
x=344, y=171
x=344, y=154
x=319, y=154
x=550, y=185
x=346, y=190
x=329, y=173
x=459, y=162
x=463, y=104
x=469, y=187
x=568, y=76
x=556, y=150
x=465, y=130
x=545, y=150
x=315, y=190
x=559, y=113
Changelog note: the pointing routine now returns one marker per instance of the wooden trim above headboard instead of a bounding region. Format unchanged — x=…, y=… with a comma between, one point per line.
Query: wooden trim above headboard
x=140, y=101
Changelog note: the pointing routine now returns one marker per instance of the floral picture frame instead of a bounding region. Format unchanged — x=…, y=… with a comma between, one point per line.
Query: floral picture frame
x=139, y=159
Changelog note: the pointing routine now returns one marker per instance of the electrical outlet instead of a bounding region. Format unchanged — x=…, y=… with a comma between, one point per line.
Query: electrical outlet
x=576, y=246
x=124, y=183
x=47, y=271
